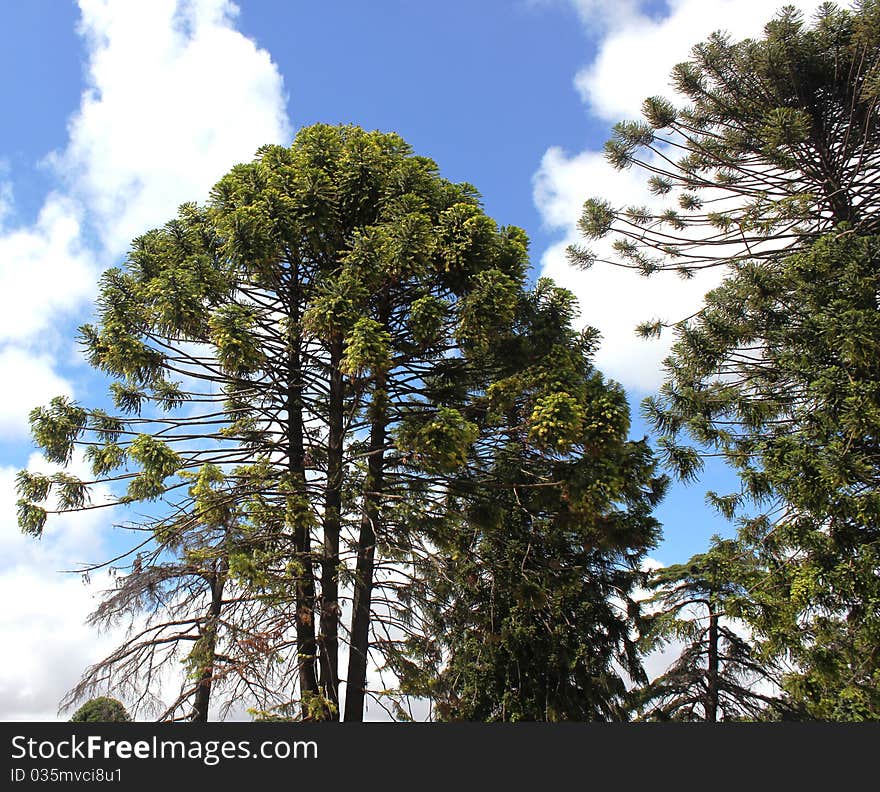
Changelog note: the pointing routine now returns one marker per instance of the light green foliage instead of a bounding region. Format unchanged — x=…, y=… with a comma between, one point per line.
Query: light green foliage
x=426, y=319
x=158, y=462
x=338, y=304
x=57, y=427
x=367, y=348
x=488, y=310
x=231, y=332
x=557, y=421
x=440, y=442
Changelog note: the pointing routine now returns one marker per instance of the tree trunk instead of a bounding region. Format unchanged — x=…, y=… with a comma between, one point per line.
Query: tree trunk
x=209, y=636
x=328, y=639
x=306, y=645
x=712, y=674
x=363, y=587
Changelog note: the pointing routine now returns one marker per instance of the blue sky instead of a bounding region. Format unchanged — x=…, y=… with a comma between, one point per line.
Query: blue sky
x=115, y=112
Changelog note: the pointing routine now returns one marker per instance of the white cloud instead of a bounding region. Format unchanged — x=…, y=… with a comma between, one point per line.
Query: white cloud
x=45, y=645
x=45, y=272
x=612, y=299
x=175, y=96
x=632, y=62
x=635, y=60
x=31, y=383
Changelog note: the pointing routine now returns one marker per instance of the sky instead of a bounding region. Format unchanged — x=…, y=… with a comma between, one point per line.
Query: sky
x=116, y=112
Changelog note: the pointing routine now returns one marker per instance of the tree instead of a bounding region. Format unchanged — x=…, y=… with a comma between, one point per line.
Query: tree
x=718, y=674
x=308, y=336
x=777, y=146
x=527, y=606
x=796, y=411
x=179, y=603
x=101, y=710
x=775, y=372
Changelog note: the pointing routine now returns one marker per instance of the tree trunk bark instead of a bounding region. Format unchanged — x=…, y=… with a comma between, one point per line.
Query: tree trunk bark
x=209, y=636
x=363, y=587
x=712, y=675
x=306, y=646
x=328, y=639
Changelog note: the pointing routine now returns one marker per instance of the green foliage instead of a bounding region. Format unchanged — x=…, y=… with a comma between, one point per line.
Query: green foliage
x=557, y=421
x=57, y=427
x=439, y=442
x=317, y=373
x=526, y=604
x=778, y=131
x=801, y=427
x=777, y=372
x=101, y=710
x=367, y=348
x=488, y=309
x=718, y=674
x=231, y=332
x=426, y=319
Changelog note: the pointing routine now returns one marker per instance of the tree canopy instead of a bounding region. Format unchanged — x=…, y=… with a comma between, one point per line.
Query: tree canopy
x=101, y=710
x=528, y=607
x=775, y=179
x=311, y=373
x=776, y=144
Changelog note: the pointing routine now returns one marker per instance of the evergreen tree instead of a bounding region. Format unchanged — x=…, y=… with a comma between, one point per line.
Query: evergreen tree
x=777, y=146
x=527, y=609
x=101, y=710
x=313, y=336
x=718, y=674
x=776, y=183
x=795, y=410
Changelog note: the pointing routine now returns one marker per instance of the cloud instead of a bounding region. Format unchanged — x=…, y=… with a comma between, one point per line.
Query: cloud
x=174, y=97
x=612, y=299
x=46, y=644
x=635, y=59
x=35, y=382
x=45, y=272
x=632, y=61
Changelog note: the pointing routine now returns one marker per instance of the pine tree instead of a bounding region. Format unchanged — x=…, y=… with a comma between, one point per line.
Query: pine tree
x=776, y=183
x=718, y=675
x=527, y=609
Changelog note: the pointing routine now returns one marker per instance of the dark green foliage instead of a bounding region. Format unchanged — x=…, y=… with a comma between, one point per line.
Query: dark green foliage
x=776, y=183
x=796, y=409
x=526, y=607
x=101, y=710
x=778, y=143
x=718, y=675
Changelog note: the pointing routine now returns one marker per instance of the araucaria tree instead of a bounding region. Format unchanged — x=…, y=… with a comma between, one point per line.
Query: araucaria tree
x=299, y=381
x=777, y=145
x=774, y=165
x=718, y=674
x=526, y=610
